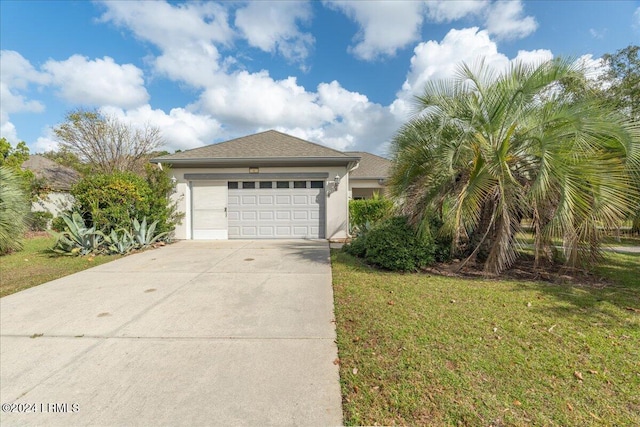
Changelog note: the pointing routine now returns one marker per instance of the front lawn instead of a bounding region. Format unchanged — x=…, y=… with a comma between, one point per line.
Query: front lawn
x=35, y=265
x=417, y=349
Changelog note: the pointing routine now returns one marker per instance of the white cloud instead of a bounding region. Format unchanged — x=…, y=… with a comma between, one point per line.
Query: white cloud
x=447, y=11
x=186, y=34
x=385, y=27
x=98, y=82
x=434, y=60
x=635, y=23
x=171, y=26
x=181, y=129
x=16, y=75
x=255, y=98
x=505, y=20
x=273, y=26
x=597, y=34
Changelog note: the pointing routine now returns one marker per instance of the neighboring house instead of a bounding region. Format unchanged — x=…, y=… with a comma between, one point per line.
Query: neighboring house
x=267, y=185
x=57, y=179
x=370, y=176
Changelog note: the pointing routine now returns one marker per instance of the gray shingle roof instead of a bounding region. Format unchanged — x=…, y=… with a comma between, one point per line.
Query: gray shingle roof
x=56, y=177
x=263, y=145
x=371, y=166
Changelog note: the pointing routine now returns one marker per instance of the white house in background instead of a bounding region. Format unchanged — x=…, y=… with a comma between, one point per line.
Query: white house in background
x=265, y=186
x=57, y=179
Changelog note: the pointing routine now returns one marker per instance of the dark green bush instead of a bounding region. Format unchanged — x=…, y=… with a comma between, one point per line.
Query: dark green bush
x=58, y=224
x=112, y=201
x=394, y=245
x=369, y=211
x=358, y=246
x=442, y=244
x=39, y=220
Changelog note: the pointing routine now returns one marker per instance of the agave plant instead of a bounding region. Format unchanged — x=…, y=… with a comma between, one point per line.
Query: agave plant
x=120, y=243
x=144, y=236
x=77, y=239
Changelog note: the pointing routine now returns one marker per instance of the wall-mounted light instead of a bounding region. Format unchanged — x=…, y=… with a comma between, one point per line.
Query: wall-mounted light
x=174, y=183
x=332, y=186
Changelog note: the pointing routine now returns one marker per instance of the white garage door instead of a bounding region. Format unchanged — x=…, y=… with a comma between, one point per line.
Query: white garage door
x=276, y=209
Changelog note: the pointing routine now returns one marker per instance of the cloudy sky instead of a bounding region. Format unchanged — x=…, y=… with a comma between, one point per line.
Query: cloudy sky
x=341, y=73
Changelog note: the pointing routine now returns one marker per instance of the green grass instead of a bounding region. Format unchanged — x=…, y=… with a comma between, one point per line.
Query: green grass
x=35, y=265
x=417, y=349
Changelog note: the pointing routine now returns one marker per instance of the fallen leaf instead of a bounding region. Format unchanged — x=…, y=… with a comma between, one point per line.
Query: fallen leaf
x=517, y=402
x=578, y=375
x=591, y=371
x=528, y=304
x=569, y=407
x=336, y=361
x=452, y=301
x=391, y=303
x=355, y=371
x=355, y=388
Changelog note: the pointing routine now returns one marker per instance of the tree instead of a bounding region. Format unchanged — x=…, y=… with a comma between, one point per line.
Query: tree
x=13, y=158
x=487, y=150
x=14, y=207
x=622, y=80
x=106, y=143
x=622, y=83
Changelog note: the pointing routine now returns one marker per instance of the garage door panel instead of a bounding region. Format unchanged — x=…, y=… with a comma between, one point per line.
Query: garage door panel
x=266, y=215
x=283, y=200
x=283, y=215
x=249, y=215
x=276, y=213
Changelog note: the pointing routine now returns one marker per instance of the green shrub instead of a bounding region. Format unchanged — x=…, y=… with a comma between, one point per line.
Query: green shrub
x=369, y=211
x=394, y=245
x=112, y=201
x=39, y=220
x=442, y=243
x=58, y=224
x=14, y=208
x=358, y=246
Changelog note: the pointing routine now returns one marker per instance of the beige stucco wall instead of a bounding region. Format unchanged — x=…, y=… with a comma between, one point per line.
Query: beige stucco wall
x=337, y=210
x=54, y=202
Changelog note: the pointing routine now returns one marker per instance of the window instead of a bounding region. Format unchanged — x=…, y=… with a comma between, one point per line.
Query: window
x=266, y=184
x=282, y=184
x=299, y=184
x=232, y=185
x=317, y=184
x=250, y=184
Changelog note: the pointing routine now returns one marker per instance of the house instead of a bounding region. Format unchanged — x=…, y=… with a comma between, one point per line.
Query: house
x=370, y=176
x=56, y=179
x=267, y=185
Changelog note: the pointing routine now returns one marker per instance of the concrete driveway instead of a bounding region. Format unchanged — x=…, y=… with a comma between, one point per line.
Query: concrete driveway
x=193, y=334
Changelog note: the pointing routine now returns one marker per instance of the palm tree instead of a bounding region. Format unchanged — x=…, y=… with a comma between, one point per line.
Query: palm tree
x=14, y=207
x=486, y=150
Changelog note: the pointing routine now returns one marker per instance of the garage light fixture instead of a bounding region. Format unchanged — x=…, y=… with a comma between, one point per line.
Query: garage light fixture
x=332, y=186
x=174, y=183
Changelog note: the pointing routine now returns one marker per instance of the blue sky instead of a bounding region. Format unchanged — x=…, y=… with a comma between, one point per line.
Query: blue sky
x=339, y=73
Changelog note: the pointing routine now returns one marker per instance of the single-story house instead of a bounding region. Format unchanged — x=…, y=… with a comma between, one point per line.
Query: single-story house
x=267, y=185
x=57, y=180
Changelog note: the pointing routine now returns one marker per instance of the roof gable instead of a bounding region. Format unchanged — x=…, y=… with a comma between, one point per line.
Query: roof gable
x=264, y=145
x=371, y=166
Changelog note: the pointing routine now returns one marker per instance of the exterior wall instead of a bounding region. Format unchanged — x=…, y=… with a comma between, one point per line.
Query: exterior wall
x=54, y=202
x=337, y=208
x=364, y=188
